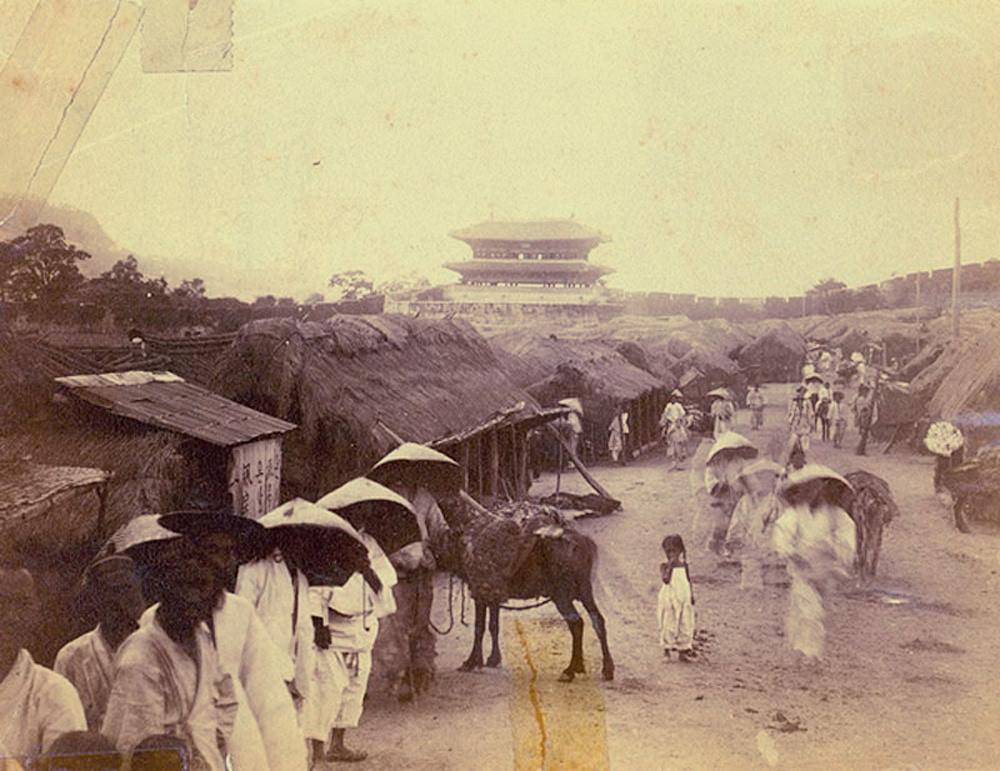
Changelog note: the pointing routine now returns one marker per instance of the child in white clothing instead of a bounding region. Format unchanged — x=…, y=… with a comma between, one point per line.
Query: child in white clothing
x=675, y=605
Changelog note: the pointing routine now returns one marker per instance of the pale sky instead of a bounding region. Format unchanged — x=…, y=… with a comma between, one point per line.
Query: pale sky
x=727, y=148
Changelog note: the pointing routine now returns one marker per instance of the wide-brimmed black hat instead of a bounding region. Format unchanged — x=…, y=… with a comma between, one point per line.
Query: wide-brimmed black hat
x=194, y=523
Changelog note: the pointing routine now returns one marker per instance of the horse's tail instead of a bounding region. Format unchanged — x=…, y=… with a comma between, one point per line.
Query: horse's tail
x=594, y=576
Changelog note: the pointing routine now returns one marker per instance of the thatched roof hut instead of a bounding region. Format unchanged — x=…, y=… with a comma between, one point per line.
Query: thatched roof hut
x=352, y=383
x=594, y=372
x=776, y=355
x=969, y=394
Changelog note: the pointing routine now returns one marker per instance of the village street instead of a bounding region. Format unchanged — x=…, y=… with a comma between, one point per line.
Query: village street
x=906, y=682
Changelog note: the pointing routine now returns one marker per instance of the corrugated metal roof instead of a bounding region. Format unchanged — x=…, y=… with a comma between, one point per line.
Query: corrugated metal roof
x=24, y=484
x=164, y=400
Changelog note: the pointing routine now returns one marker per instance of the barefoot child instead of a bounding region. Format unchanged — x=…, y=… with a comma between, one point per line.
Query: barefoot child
x=675, y=605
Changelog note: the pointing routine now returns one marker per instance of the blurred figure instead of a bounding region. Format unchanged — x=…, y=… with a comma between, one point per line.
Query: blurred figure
x=749, y=534
x=817, y=537
x=167, y=675
x=722, y=411
x=111, y=589
x=36, y=705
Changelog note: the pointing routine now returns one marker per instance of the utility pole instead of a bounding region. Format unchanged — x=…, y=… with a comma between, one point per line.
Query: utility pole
x=956, y=276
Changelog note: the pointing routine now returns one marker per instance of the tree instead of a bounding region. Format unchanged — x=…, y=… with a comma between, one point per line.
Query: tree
x=125, y=286
x=266, y=301
x=410, y=282
x=828, y=285
x=314, y=299
x=286, y=302
x=352, y=285
x=39, y=265
x=825, y=289
x=190, y=289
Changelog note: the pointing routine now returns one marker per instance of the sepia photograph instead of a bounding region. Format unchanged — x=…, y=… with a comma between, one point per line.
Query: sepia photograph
x=465, y=384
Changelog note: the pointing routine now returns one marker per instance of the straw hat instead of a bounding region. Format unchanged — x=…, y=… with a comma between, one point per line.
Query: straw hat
x=720, y=393
x=812, y=472
x=139, y=530
x=573, y=404
x=731, y=442
x=301, y=512
x=362, y=490
x=761, y=466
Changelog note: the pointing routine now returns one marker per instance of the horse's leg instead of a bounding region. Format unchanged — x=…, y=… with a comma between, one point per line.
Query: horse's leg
x=597, y=619
x=494, y=659
x=567, y=610
x=475, y=660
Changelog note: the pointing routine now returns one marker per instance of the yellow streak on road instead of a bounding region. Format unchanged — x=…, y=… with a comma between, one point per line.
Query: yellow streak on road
x=555, y=725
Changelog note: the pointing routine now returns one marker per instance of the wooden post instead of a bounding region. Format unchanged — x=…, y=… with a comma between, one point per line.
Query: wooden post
x=956, y=276
x=525, y=470
x=494, y=451
x=465, y=465
x=477, y=455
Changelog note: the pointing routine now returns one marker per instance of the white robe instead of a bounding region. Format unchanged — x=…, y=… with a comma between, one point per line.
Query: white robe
x=159, y=689
x=88, y=663
x=820, y=545
x=36, y=707
x=266, y=734
x=675, y=612
x=351, y=612
x=268, y=586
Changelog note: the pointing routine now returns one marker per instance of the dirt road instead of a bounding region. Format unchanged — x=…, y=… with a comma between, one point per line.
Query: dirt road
x=909, y=679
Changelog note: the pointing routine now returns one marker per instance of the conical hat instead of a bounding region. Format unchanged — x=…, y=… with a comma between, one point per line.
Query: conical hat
x=301, y=512
x=811, y=472
x=761, y=466
x=142, y=529
x=413, y=452
x=721, y=393
x=573, y=404
x=730, y=440
x=362, y=489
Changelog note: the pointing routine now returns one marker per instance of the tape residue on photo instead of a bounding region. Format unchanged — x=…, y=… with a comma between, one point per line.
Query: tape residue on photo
x=49, y=86
x=187, y=36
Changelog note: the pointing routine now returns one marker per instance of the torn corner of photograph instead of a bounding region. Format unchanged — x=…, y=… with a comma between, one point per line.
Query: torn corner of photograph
x=49, y=87
x=187, y=36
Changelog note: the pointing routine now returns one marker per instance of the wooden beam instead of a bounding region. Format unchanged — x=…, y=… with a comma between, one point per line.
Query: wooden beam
x=579, y=464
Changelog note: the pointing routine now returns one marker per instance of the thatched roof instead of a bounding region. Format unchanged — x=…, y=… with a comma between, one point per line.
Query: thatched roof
x=27, y=370
x=149, y=471
x=969, y=394
x=601, y=368
x=776, y=355
x=342, y=378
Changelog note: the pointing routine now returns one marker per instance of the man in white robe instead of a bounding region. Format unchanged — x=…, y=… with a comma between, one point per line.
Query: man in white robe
x=347, y=621
x=36, y=704
x=266, y=735
x=167, y=674
x=279, y=592
x=111, y=588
